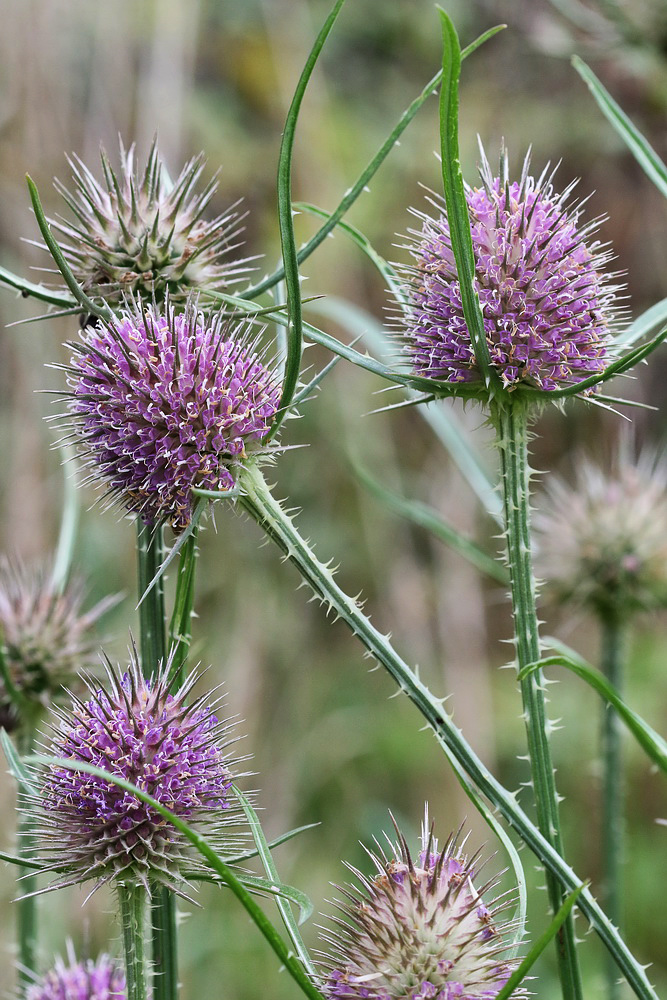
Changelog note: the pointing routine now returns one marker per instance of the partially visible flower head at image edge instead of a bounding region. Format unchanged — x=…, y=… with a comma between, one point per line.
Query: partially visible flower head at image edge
x=549, y=307
x=139, y=233
x=46, y=636
x=102, y=979
x=601, y=541
x=90, y=828
x=161, y=402
x=418, y=929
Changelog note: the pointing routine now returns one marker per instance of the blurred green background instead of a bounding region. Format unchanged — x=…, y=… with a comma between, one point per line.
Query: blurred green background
x=328, y=744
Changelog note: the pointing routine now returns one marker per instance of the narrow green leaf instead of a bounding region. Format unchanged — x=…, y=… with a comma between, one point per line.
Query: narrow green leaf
x=272, y=872
x=180, y=626
x=644, y=324
x=68, y=522
x=455, y=199
x=317, y=380
x=283, y=838
x=94, y=308
x=30, y=290
x=16, y=765
x=286, y=226
x=542, y=942
x=651, y=742
x=367, y=175
x=180, y=542
x=12, y=859
x=424, y=516
x=200, y=844
x=641, y=149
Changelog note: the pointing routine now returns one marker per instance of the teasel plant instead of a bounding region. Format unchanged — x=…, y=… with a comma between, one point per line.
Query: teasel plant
x=119, y=359
x=600, y=548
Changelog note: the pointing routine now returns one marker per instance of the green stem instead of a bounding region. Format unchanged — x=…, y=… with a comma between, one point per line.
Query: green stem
x=180, y=626
x=612, y=810
x=132, y=900
x=153, y=648
x=26, y=918
x=280, y=528
x=511, y=422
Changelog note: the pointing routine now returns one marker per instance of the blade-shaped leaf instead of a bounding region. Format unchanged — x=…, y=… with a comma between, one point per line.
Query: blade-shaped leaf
x=16, y=765
x=641, y=149
x=651, y=742
x=419, y=513
x=644, y=324
x=286, y=226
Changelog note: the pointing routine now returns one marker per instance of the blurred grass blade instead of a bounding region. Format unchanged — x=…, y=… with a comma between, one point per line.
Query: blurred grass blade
x=200, y=844
x=651, y=742
x=16, y=765
x=644, y=324
x=503, y=837
x=641, y=149
x=272, y=872
x=367, y=175
x=282, y=839
x=30, y=290
x=455, y=199
x=286, y=226
x=542, y=942
x=424, y=516
x=62, y=562
x=94, y=308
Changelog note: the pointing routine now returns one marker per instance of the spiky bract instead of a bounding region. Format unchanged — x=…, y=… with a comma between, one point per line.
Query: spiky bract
x=103, y=979
x=45, y=636
x=164, y=403
x=417, y=929
x=139, y=233
x=90, y=828
x=547, y=304
x=602, y=542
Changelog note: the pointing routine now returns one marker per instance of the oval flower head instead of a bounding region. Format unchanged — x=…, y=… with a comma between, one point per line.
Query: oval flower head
x=139, y=233
x=45, y=636
x=162, y=403
x=90, y=828
x=548, y=307
x=418, y=930
x=602, y=542
x=89, y=980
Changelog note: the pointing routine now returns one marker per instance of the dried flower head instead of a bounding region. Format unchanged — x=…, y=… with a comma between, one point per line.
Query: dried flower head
x=90, y=828
x=547, y=305
x=89, y=980
x=140, y=233
x=45, y=637
x=418, y=929
x=164, y=403
x=602, y=543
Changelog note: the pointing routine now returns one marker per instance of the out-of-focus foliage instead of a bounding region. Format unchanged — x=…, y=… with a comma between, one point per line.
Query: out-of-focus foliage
x=328, y=745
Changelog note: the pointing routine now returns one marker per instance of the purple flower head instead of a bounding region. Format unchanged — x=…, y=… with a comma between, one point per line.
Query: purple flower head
x=45, y=636
x=164, y=403
x=547, y=305
x=91, y=828
x=601, y=542
x=139, y=233
x=100, y=980
x=417, y=930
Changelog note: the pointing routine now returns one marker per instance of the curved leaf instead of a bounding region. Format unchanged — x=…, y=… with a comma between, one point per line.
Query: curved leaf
x=644, y=324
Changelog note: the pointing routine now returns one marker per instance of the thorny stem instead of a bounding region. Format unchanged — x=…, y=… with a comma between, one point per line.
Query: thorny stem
x=153, y=648
x=510, y=418
x=26, y=917
x=132, y=902
x=612, y=809
x=279, y=527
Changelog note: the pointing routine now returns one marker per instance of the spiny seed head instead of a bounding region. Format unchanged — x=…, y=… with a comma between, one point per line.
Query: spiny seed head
x=89, y=980
x=547, y=305
x=161, y=403
x=602, y=542
x=139, y=233
x=45, y=636
x=90, y=828
x=417, y=929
